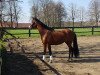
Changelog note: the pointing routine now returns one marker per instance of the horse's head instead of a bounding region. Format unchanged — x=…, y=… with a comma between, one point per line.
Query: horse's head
x=34, y=23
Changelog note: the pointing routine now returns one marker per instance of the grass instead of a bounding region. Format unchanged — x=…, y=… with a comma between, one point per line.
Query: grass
x=83, y=31
x=22, y=33
x=87, y=31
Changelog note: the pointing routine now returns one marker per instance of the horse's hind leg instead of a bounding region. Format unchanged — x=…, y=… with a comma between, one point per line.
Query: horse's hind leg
x=70, y=52
x=45, y=47
x=50, y=53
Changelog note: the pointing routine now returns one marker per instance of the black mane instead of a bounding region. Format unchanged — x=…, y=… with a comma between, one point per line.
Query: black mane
x=45, y=26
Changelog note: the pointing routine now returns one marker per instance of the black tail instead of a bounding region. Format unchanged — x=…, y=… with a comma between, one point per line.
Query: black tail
x=75, y=47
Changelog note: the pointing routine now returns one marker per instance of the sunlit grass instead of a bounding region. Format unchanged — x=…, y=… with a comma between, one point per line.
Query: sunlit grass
x=87, y=31
x=22, y=33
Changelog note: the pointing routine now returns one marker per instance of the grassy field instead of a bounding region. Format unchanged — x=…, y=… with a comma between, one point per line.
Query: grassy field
x=87, y=31
x=24, y=33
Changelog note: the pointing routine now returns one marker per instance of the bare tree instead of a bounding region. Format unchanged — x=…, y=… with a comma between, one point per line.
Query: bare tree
x=72, y=13
x=61, y=13
x=11, y=12
x=49, y=12
x=95, y=10
x=45, y=4
x=35, y=8
x=2, y=5
x=81, y=15
x=17, y=11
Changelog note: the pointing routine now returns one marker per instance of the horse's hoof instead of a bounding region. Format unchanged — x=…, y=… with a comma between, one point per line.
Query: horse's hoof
x=50, y=61
x=43, y=59
x=69, y=60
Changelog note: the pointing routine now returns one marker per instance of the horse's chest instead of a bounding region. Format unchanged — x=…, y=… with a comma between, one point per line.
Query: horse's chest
x=44, y=38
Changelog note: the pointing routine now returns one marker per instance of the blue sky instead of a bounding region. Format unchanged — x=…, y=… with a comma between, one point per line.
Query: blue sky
x=26, y=7
x=26, y=11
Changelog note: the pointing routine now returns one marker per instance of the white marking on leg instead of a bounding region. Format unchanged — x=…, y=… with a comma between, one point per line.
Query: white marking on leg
x=51, y=58
x=43, y=57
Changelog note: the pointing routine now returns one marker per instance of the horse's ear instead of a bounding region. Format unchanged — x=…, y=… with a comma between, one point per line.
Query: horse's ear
x=34, y=18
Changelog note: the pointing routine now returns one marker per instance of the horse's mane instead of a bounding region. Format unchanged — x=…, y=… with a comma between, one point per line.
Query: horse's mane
x=45, y=26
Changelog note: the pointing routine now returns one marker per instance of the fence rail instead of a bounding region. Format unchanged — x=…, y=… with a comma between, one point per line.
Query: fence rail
x=73, y=28
x=91, y=29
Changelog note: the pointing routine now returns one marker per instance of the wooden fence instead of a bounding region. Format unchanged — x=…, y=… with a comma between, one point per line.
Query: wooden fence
x=73, y=28
x=90, y=27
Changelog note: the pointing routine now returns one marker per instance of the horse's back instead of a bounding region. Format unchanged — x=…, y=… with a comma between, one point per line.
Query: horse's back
x=58, y=37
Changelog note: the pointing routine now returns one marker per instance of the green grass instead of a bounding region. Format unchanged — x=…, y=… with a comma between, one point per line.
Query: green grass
x=87, y=31
x=83, y=31
x=22, y=33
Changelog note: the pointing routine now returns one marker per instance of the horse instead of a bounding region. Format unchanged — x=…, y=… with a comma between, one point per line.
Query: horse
x=49, y=37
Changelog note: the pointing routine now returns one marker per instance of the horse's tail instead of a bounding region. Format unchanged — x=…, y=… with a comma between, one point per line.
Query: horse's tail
x=75, y=47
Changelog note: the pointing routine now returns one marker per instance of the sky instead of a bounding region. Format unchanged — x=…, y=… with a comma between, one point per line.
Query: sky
x=26, y=8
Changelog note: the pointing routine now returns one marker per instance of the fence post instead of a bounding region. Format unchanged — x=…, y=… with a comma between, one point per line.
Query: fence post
x=92, y=30
x=29, y=32
x=72, y=28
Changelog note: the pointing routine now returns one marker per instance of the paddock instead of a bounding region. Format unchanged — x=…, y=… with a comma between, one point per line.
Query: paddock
x=87, y=64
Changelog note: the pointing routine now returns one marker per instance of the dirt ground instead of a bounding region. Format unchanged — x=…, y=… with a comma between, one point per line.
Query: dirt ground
x=87, y=64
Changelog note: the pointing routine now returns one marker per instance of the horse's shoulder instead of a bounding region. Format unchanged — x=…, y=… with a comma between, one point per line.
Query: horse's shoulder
x=50, y=32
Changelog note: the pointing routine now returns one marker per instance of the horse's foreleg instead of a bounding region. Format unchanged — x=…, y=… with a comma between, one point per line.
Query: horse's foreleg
x=50, y=53
x=45, y=47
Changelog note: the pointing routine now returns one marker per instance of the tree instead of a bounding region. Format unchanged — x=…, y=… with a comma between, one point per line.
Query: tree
x=16, y=10
x=72, y=13
x=35, y=8
x=95, y=11
x=81, y=15
x=61, y=13
x=11, y=11
x=2, y=5
x=49, y=12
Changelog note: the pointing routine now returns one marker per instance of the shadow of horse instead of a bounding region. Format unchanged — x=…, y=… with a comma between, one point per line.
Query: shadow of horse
x=88, y=59
x=17, y=64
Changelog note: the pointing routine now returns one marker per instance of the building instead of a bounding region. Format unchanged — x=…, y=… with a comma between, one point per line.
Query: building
x=20, y=25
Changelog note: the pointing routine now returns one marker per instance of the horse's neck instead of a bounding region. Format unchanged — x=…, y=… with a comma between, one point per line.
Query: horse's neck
x=41, y=30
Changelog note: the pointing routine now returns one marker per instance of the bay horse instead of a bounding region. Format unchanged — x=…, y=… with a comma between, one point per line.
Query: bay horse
x=51, y=37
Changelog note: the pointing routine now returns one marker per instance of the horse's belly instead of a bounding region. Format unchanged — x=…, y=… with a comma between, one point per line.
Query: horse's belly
x=56, y=38
x=57, y=42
